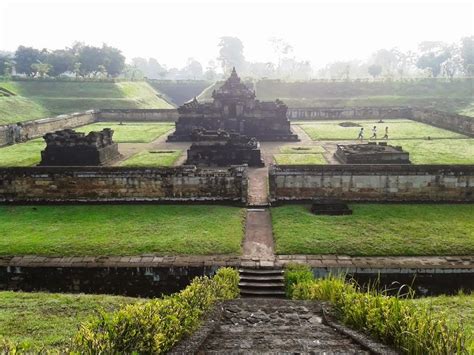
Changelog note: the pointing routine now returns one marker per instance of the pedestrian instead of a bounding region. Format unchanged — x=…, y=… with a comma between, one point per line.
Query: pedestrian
x=361, y=134
x=374, y=133
x=386, y=133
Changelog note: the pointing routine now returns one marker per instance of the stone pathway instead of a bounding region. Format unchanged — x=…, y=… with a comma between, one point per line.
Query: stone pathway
x=258, y=187
x=275, y=326
x=258, y=242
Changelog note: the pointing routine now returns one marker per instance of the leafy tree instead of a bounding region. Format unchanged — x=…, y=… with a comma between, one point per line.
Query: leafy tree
x=61, y=61
x=467, y=55
x=375, y=70
x=25, y=57
x=90, y=58
x=434, y=54
x=6, y=64
x=231, y=54
x=40, y=69
x=113, y=60
x=193, y=69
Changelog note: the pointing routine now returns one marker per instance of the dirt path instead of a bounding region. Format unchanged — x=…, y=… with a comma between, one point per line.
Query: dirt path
x=275, y=326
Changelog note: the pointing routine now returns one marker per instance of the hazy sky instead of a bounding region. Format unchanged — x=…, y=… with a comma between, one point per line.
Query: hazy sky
x=173, y=31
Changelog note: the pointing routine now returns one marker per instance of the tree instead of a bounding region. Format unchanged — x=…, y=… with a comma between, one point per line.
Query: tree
x=281, y=48
x=61, y=61
x=375, y=70
x=231, y=54
x=40, y=69
x=6, y=64
x=90, y=59
x=25, y=57
x=193, y=69
x=467, y=55
x=113, y=60
x=434, y=53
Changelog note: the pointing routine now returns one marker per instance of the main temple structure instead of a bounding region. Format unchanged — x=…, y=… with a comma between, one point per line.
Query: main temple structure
x=235, y=109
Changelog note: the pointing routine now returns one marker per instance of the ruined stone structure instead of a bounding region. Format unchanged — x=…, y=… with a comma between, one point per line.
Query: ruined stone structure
x=220, y=148
x=235, y=109
x=71, y=148
x=371, y=153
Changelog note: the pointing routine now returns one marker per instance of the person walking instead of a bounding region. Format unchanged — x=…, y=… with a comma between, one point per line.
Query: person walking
x=361, y=134
x=386, y=133
x=374, y=133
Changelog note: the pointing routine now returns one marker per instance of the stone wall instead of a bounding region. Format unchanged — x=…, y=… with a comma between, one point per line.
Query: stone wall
x=138, y=115
x=120, y=184
x=397, y=183
x=338, y=113
x=4, y=135
x=451, y=121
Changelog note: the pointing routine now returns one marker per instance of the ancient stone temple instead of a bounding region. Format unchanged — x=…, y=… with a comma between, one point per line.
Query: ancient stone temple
x=371, y=153
x=70, y=148
x=235, y=109
x=220, y=148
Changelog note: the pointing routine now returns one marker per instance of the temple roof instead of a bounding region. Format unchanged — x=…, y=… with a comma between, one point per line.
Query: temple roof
x=233, y=87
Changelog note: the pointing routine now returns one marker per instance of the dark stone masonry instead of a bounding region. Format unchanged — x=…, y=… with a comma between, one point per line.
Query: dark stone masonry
x=371, y=153
x=235, y=109
x=220, y=148
x=70, y=148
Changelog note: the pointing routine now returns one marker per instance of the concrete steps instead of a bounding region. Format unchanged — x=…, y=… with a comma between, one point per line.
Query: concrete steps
x=268, y=283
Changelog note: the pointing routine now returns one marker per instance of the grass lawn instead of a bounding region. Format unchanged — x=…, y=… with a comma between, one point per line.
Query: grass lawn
x=301, y=149
x=153, y=158
x=24, y=154
x=120, y=230
x=439, y=151
x=299, y=159
x=398, y=129
x=376, y=230
x=455, y=309
x=131, y=132
x=49, y=320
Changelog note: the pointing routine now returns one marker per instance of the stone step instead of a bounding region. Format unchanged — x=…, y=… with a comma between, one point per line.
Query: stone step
x=266, y=293
x=261, y=271
x=261, y=284
x=262, y=278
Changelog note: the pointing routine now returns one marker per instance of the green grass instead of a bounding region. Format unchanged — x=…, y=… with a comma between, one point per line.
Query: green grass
x=39, y=99
x=398, y=129
x=455, y=309
x=50, y=320
x=376, y=230
x=153, y=158
x=24, y=154
x=299, y=159
x=131, y=132
x=439, y=151
x=120, y=230
x=302, y=149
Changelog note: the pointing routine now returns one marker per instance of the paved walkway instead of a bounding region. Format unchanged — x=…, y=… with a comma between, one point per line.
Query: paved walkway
x=276, y=326
x=258, y=242
x=258, y=187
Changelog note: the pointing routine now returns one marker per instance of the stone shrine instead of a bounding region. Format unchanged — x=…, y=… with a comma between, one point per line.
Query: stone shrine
x=220, y=148
x=235, y=109
x=371, y=153
x=70, y=148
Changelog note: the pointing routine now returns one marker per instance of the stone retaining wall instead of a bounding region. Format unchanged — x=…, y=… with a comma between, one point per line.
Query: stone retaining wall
x=338, y=113
x=137, y=115
x=453, y=122
x=120, y=184
x=397, y=183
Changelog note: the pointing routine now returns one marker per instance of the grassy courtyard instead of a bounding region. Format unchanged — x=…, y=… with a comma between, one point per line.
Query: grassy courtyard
x=49, y=320
x=131, y=132
x=376, y=230
x=398, y=129
x=153, y=158
x=439, y=151
x=120, y=230
x=24, y=154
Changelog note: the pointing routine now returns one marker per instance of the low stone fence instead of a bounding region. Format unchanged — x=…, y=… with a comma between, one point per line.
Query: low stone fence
x=121, y=184
x=451, y=121
x=338, y=113
x=137, y=115
x=396, y=183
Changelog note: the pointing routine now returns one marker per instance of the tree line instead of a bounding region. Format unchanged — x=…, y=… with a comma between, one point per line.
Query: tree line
x=80, y=60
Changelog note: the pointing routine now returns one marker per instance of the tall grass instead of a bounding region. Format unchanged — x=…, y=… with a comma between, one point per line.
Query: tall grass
x=411, y=329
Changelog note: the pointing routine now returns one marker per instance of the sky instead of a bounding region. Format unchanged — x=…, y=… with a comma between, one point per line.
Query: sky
x=173, y=31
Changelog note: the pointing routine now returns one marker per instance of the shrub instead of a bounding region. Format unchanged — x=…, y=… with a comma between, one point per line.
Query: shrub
x=392, y=320
x=157, y=325
x=296, y=274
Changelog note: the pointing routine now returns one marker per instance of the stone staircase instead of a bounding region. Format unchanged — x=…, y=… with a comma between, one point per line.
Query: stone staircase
x=266, y=282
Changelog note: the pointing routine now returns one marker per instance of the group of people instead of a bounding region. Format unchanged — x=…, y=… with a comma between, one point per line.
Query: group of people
x=374, y=133
x=15, y=134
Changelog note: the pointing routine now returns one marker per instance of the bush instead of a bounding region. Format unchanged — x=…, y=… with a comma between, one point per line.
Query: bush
x=392, y=320
x=296, y=274
x=156, y=326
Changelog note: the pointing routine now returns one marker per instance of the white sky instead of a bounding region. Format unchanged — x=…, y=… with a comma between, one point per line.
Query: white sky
x=173, y=31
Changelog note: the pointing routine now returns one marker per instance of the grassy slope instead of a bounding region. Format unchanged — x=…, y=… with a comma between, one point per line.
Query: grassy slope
x=153, y=158
x=120, y=230
x=49, y=320
x=131, y=132
x=38, y=99
x=455, y=309
x=376, y=230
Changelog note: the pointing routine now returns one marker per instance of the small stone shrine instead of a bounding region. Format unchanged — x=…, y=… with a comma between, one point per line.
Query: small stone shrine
x=330, y=207
x=371, y=153
x=221, y=148
x=70, y=148
x=235, y=109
